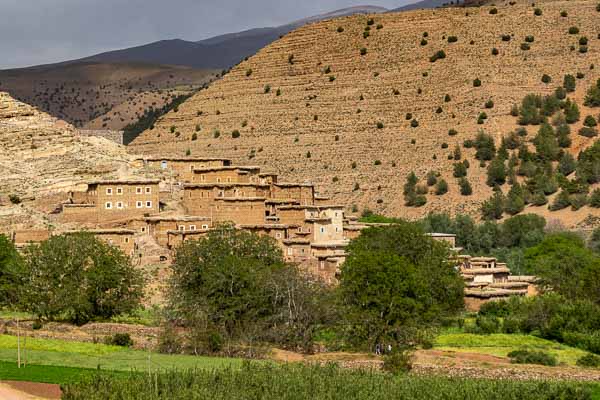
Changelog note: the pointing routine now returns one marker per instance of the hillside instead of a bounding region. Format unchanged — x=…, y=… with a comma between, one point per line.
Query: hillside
x=41, y=158
x=311, y=105
x=219, y=52
x=101, y=95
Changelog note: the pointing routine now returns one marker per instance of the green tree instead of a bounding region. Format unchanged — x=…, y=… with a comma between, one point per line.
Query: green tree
x=485, y=147
x=441, y=187
x=11, y=273
x=79, y=278
x=546, y=145
x=514, y=200
x=394, y=278
x=588, y=164
x=592, y=98
x=496, y=172
x=465, y=187
x=567, y=164
x=493, y=208
x=571, y=111
x=569, y=83
x=565, y=266
x=460, y=170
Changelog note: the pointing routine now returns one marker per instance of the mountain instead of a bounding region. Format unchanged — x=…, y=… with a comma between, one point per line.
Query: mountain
x=220, y=52
x=103, y=95
x=365, y=110
x=424, y=4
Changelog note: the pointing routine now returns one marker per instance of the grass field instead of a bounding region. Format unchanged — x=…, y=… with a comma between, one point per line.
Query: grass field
x=47, y=374
x=501, y=344
x=88, y=355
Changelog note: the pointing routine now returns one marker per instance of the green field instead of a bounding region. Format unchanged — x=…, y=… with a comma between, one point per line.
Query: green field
x=501, y=344
x=89, y=355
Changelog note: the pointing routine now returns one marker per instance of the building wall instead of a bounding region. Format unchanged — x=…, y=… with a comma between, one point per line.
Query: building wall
x=184, y=169
x=30, y=236
x=236, y=175
x=121, y=201
x=240, y=212
x=82, y=214
x=124, y=241
x=303, y=194
x=201, y=200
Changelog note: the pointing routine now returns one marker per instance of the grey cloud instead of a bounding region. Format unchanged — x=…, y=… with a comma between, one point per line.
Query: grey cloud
x=44, y=31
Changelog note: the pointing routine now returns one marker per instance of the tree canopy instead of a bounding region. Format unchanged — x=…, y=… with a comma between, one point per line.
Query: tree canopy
x=395, y=277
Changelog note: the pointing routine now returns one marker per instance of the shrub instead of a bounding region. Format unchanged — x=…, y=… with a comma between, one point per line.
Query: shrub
x=363, y=51
x=588, y=132
x=589, y=360
x=465, y=187
x=590, y=121
x=595, y=199
x=546, y=78
x=441, y=187
x=439, y=55
x=563, y=200
x=476, y=82
x=459, y=170
x=573, y=30
x=592, y=97
x=452, y=132
x=532, y=357
x=370, y=22
x=249, y=72
x=444, y=145
x=537, y=12
x=414, y=123
x=340, y=29
x=505, y=38
x=423, y=42
x=569, y=83
x=564, y=14
x=494, y=51
x=379, y=26
x=380, y=125
x=120, y=339
x=366, y=34
x=14, y=199
x=489, y=104
x=431, y=178
x=452, y=39
x=398, y=362
x=525, y=46
x=235, y=134
x=377, y=162
x=278, y=92
x=583, y=49
x=529, y=39
x=583, y=41
x=194, y=136
x=267, y=88
x=408, y=116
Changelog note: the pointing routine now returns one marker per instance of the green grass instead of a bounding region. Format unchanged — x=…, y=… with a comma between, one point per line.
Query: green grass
x=89, y=355
x=501, y=344
x=47, y=374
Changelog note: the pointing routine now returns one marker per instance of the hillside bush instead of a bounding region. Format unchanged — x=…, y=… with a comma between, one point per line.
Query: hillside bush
x=363, y=51
x=588, y=132
x=546, y=79
x=537, y=11
x=120, y=339
x=441, y=187
x=452, y=39
x=573, y=30
x=525, y=46
x=569, y=83
x=485, y=147
x=438, y=55
x=476, y=82
x=495, y=51
x=465, y=187
x=589, y=361
x=532, y=357
x=505, y=38
x=592, y=98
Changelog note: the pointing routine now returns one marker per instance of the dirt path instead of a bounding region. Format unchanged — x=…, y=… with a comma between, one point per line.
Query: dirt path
x=10, y=390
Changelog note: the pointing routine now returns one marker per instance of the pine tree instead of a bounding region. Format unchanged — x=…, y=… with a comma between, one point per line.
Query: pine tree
x=567, y=164
x=465, y=187
x=441, y=188
x=493, y=208
x=515, y=202
x=496, y=172
x=546, y=145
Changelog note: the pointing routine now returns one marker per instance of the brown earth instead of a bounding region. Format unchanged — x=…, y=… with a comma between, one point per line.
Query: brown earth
x=318, y=116
x=13, y=390
x=101, y=95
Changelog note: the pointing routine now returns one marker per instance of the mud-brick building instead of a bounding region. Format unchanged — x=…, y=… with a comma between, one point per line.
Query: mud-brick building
x=303, y=193
x=124, y=239
x=202, y=199
x=180, y=168
x=159, y=226
x=227, y=174
x=112, y=200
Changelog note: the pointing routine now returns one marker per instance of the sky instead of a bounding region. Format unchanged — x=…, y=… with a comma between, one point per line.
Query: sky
x=34, y=32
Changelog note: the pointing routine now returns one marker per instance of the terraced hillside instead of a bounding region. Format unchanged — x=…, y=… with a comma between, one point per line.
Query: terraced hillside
x=99, y=95
x=360, y=109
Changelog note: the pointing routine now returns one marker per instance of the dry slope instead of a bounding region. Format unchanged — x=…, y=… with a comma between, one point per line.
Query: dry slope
x=314, y=105
x=42, y=157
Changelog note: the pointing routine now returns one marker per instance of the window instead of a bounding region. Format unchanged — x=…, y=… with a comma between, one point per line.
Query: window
x=337, y=229
x=204, y=226
x=218, y=180
x=148, y=190
x=322, y=229
x=191, y=167
x=108, y=205
x=143, y=229
x=148, y=204
x=126, y=240
x=139, y=204
x=119, y=190
x=300, y=230
x=163, y=164
x=192, y=228
x=290, y=251
x=228, y=179
x=182, y=228
x=220, y=193
x=302, y=251
x=278, y=235
x=109, y=191
x=120, y=205
x=138, y=190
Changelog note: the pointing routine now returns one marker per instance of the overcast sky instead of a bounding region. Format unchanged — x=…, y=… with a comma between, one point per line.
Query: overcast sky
x=36, y=32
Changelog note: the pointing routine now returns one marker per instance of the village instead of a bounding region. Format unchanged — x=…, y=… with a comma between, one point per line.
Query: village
x=148, y=218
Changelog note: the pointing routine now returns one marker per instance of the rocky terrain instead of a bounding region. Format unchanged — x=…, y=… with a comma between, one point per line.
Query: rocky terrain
x=335, y=100
x=97, y=95
x=42, y=158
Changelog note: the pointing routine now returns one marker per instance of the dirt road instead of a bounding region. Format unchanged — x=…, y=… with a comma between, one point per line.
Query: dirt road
x=28, y=391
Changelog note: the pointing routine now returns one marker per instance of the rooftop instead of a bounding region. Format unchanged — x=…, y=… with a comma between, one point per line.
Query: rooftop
x=125, y=182
x=192, y=159
x=227, y=168
x=222, y=185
